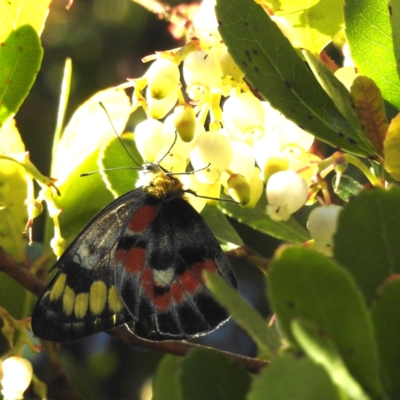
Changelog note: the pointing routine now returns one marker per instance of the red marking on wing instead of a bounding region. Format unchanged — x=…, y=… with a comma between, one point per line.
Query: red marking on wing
x=142, y=218
x=147, y=283
x=162, y=303
x=189, y=282
x=133, y=260
x=176, y=293
x=120, y=256
x=201, y=266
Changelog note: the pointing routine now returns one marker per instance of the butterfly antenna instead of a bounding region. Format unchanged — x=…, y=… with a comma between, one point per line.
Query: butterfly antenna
x=119, y=138
x=169, y=150
x=102, y=170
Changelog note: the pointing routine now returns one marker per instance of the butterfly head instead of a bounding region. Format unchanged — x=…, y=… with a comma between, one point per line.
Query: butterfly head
x=158, y=181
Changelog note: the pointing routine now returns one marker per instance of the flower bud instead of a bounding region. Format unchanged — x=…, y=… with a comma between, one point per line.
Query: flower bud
x=17, y=375
x=286, y=193
x=285, y=131
x=202, y=68
x=239, y=189
x=322, y=223
x=35, y=208
x=58, y=245
x=206, y=25
x=201, y=189
x=256, y=188
x=212, y=151
x=243, y=112
x=242, y=162
x=148, y=139
x=160, y=108
x=162, y=78
x=275, y=164
x=185, y=122
x=229, y=67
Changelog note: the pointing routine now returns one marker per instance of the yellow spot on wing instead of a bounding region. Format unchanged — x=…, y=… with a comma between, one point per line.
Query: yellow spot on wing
x=114, y=301
x=98, y=297
x=81, y=304
x=58, y=287
x=68, y=300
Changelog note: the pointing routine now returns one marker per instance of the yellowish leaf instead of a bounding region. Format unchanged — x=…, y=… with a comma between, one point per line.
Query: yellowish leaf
x=391, y=149
x=370, y=109
x=89, y=129
x=14, y=14
x=13, y=192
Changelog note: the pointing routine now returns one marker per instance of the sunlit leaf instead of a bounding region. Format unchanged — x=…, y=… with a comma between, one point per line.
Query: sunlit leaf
x=89, y=129
x=208, y=375
x=369, y=34
x=13, y=193
x=293, y=377
x=321, y=349
x=391, y=148
x=305, y=284
x=315, y=22
x=386, y=317
x=16, y=13
x=368, y=236
x=166, y=384
x=20, y=58
x=246, y=316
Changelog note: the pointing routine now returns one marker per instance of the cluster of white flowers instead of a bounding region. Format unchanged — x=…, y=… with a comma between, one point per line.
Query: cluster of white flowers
x=234, y=141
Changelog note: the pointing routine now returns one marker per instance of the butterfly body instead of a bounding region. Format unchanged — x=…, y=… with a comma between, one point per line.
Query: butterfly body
x=140, y=261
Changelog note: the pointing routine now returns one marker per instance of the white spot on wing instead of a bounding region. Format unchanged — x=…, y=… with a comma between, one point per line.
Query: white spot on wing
x=163, y=278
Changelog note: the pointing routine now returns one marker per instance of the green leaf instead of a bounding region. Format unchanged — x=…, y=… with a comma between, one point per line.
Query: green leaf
x=222, y=229
x=20, y=58
x=166, y=384
x=336, y=91
x=315, y=22
x=13, y=193
x=245, y=315
x=293, y=377
x=386, y=317
x=305, y=284
x=276, y=71
x=321, y=349
x=394, y=12
x=368, y=236
x=209, y=375
x=348, y=187
x=89, y=129
x=81, y=197
x=256, y=218
x=368, y=32
x=120, y=154
x=15, y=13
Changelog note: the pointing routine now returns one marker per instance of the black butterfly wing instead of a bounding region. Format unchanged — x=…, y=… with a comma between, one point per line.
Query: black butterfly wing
x=162, y=257
x=82, y=299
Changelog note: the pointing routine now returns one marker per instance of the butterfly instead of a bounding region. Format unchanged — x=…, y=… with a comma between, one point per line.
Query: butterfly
x=140, y=262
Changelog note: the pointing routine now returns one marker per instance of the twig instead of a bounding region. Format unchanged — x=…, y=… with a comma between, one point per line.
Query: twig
x=181, y=348
x=20, y=273
x=250, y=256
x=60, y=387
